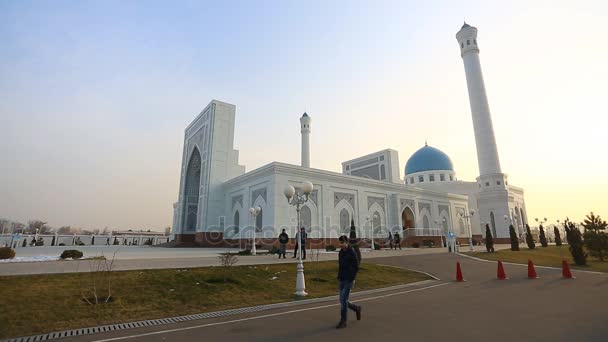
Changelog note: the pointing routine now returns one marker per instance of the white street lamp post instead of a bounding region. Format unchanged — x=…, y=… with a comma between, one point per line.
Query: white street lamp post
x=297, y=199
x=254, y=213
x=371, y=230
x=468, y=217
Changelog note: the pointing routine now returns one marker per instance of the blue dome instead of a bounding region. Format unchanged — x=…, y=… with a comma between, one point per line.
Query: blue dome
x=428, y=159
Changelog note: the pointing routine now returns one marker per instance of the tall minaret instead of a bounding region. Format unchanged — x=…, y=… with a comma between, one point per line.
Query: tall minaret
x=487, y=154
x=493, y=190
x=305, y=130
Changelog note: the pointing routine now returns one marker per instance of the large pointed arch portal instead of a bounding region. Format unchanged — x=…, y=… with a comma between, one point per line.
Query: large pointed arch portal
x=407, y=218
x=193, y=184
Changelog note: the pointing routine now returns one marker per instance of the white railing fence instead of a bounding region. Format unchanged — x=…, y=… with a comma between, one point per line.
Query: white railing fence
x=35, y=240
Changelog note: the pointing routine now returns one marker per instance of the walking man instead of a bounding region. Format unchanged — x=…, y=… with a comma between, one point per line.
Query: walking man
x=283, y=240
x=390, y=240
x=300, y=239
x=347, y=272
x=397, y=240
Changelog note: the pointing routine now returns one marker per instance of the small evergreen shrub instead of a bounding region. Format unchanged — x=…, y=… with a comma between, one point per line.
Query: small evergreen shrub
x=330, y=248
x=61, y=244
x=273, y=250
x=514, y=239
x=7, y=253
x=529, y=238
x=376, y=246
x=489, y=240
x=71, y=253
x=558, y=238
x=542, y=237
x=245, y=252
x=575, y=240
x=416, y=245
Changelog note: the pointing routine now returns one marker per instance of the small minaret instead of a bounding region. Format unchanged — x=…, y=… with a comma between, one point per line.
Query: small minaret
x=487, y=153
x=305, y=130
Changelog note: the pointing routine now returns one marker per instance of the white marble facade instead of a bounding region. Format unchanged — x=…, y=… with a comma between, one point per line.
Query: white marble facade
x=216, y=193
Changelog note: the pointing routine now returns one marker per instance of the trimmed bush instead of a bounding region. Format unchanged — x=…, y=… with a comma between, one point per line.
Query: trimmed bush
x=61, y=244
x=376, y=246
x=575, y=240
x=330, y=248
x=71, y=253
x=274, y=250
x=558, y=237
x=7, y=253
x=415, y=245
x=529, y=238
x=514, y=239
x=489, y=240
x=542, y=237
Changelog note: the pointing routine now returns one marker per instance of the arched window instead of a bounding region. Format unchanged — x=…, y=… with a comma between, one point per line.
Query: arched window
x=237, y=222
x=305, y=218
x=192, y=187
x=344, y=222
x=425, y=222
x=493, y=224
x=258, y=221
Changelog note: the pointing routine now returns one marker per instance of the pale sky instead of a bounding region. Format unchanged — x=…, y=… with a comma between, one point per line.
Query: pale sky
x=95, y=95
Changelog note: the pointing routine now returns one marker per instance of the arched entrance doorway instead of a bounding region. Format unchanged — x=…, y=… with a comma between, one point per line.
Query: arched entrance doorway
x=407, y=218
x=191, y=196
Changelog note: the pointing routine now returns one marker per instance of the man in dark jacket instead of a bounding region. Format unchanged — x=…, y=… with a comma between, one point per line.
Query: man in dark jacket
x=283, y=240
x=397, y=240
x=347, y=272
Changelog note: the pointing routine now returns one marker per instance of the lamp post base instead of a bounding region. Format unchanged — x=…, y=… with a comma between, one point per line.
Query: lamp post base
x=300, y=282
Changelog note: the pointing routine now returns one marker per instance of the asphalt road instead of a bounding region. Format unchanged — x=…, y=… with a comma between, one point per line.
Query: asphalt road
x=480, y=309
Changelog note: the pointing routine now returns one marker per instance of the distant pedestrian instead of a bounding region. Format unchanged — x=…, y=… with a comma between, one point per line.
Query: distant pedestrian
x=300, y=239
x=283, y=240
x=348, y=266
x=397, y=240
x=389, y=239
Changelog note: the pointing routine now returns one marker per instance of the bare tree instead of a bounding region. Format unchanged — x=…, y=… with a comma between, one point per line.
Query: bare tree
x=98, y=288
x=37, y=225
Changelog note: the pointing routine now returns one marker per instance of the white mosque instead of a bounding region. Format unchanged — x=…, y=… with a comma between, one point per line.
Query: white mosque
x=428, y=204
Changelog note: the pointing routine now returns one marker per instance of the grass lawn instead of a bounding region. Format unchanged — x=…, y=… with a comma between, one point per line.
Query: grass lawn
x=44, y=303
x=549, y=256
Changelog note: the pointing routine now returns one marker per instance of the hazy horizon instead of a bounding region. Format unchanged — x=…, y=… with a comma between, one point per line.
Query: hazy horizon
x=96, y=96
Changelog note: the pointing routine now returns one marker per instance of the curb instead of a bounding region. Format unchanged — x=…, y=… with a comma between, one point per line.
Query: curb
x=186, y=318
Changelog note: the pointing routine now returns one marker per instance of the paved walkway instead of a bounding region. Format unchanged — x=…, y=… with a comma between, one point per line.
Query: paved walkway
x=518, y=309
x=135, y=258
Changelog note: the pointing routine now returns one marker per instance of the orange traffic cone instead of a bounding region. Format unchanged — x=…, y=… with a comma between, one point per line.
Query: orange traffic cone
x=459, y=277
x=566, y=270
x=500, y=274
x=531, y=271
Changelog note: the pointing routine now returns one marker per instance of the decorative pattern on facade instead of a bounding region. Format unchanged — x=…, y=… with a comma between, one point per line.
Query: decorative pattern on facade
x=443, y=208
x=372, y=200
x=338, y=196
x=237, y=199
x=407, y=203
x=258, y=193
x=314, y=195
x=422, y=205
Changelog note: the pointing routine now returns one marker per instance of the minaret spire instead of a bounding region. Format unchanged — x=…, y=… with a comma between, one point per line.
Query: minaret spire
x=487, y=153
x=305, y=130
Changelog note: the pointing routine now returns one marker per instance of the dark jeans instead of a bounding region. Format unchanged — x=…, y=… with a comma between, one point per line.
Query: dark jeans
x=345, y=287
x=295, y=251
x=282, y=250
